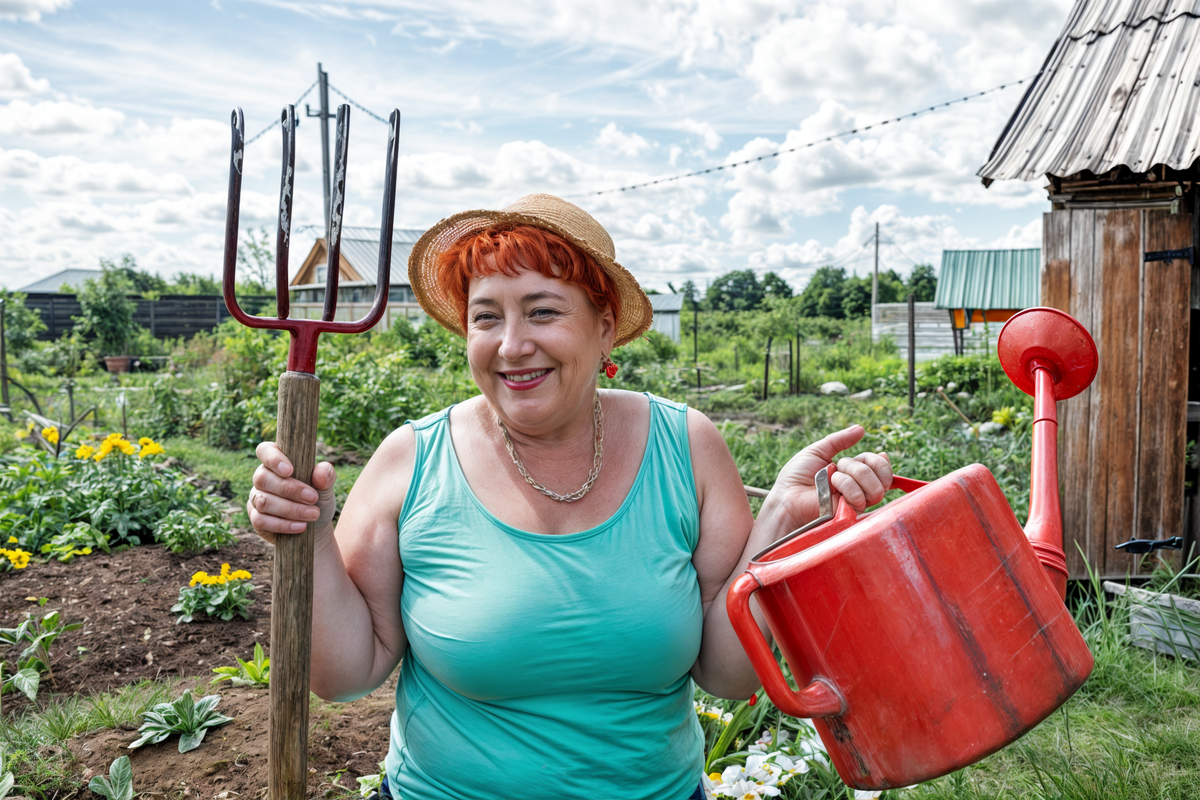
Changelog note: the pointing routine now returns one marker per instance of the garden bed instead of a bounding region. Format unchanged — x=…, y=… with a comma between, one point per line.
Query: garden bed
x=129, y=634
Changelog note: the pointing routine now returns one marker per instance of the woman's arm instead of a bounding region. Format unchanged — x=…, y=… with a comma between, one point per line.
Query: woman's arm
x=358, y=635
x=729, y=535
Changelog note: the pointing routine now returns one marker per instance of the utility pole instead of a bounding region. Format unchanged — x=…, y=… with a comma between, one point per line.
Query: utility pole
x=324, y=116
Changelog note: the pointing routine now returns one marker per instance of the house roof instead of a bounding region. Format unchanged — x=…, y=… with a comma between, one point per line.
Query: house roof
x=360, y=250
x=666, y=303
x=989, y=279
x=1120, y=87
x=71, y=277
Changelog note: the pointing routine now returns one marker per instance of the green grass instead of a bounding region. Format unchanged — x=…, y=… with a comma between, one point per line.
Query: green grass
x=237, y=467
x=34, y=740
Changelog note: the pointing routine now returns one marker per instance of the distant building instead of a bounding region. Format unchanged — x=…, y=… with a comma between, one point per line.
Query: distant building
x=357, y=268
x=72, y=278
x=666, y=314
x=987, y=286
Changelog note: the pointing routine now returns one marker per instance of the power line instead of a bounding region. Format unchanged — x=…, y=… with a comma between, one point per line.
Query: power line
x=778, y=153
x=363, y=109
x=261, y=133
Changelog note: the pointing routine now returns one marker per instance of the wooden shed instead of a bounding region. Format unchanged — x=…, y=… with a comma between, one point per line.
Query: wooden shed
x=1110, y=123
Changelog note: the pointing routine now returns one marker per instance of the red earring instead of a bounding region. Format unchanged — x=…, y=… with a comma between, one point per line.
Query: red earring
x=610, y=369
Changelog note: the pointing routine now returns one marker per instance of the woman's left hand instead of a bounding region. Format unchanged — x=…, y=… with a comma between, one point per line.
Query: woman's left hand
x=862, y=480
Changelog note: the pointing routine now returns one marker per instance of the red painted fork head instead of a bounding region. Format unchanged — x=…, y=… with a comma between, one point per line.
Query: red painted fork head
x=302, y=351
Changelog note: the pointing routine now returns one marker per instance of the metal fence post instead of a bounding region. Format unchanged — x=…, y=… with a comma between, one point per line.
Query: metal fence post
x=912, y=353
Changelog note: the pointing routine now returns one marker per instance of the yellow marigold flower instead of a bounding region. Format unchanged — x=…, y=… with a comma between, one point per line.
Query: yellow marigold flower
x=224, y=570
x=240, y=575
x=18, y=558
x=145, y=441
x=84, y=451
x=50, y=434
x=150, y=449
x=198, y=578
x=113, y=437
x=125, y=447
x=12, y=540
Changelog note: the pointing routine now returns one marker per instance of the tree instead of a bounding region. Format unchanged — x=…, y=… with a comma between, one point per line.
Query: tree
x=775, y=286
x=190, y=283
x=735, y=291
x=136, y=280
x=256, y=258
x=689, y=291
x=106, y=310
x=21, y=324
x=922, y=282
x=824, y=294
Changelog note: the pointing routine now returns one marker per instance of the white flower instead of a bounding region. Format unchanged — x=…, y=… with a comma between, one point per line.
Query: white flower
x=745, y=790
x=765, y=741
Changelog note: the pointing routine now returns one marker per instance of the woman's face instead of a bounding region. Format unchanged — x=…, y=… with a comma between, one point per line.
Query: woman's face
x=534, y=344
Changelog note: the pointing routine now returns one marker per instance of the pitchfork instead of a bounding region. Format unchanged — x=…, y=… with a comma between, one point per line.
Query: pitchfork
x=299, y=393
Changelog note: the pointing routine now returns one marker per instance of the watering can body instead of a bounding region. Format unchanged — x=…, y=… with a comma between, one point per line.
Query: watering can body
x=925, y=635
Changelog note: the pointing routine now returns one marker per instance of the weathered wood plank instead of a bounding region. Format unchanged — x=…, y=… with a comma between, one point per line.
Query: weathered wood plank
x=1120, y=258
x=1075, y=414
x=1163, y=418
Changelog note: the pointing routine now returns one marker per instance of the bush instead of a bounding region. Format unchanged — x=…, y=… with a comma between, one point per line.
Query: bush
x=114, y=488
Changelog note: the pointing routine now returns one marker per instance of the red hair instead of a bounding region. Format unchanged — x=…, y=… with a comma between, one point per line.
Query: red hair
x=522, y=247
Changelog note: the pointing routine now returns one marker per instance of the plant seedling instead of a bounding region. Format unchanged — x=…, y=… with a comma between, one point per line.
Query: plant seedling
x=26, y=680
x=190, y=719
x=6, y=778
x=119, y=783
x=247, y=673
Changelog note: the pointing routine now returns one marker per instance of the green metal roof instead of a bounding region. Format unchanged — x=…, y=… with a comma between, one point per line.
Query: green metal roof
x=990, y=279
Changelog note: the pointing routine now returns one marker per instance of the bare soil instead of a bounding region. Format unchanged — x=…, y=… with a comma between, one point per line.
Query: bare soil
x=124, y=600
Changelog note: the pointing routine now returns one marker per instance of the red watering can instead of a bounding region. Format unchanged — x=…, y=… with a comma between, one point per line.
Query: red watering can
x=931, y=632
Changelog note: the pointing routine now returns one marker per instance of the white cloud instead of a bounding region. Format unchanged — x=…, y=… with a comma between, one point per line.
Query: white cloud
x=16, y=80
x=627, y=144
x=827, y=55
x=30, y=10
x=57, y=117
x=69, y=175
x=709, y=138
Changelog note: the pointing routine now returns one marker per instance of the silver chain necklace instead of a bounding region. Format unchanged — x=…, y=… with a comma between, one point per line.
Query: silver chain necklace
x=598, y=421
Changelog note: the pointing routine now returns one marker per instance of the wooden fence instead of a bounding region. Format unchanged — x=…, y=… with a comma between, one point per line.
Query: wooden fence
x=173, y=315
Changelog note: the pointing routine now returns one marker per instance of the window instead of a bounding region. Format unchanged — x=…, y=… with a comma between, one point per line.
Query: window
x=321, y=274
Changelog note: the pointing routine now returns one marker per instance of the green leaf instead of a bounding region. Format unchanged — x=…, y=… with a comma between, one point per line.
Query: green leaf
x=192, y=740
x=119, y=784
x=6, y=784
x=27, y=681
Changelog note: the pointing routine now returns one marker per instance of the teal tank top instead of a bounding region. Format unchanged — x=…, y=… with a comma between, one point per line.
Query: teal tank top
x=544, y=666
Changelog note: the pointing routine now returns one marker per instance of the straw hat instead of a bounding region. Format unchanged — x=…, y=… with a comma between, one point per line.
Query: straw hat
x=542, y=211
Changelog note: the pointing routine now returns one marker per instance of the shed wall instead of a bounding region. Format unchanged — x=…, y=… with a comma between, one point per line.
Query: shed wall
x=1122, y=440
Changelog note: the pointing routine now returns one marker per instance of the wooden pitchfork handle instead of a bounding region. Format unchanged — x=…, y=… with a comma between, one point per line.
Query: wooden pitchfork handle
x=299, y=396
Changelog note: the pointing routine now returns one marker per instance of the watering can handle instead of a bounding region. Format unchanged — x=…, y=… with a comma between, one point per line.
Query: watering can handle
x=819, y=699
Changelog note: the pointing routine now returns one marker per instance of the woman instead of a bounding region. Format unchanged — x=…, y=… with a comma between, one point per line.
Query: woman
x=547, y=561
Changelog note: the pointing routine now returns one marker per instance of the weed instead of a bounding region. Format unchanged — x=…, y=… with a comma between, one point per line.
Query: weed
x=190, y=719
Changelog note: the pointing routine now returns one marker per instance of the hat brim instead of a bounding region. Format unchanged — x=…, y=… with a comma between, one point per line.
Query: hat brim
x=636, y=312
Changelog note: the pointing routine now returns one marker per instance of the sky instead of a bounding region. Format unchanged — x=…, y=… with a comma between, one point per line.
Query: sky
x=114, y=124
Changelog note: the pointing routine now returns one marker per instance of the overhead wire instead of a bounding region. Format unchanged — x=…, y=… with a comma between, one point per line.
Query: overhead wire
x=275, y=122
x=361, y=108
x=813, y=143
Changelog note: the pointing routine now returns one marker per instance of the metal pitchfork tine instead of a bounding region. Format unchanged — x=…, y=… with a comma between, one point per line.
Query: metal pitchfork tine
x=299, y=393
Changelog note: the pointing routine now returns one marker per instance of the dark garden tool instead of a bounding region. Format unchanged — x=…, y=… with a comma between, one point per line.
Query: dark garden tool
x=299, y=391
x=931, y=632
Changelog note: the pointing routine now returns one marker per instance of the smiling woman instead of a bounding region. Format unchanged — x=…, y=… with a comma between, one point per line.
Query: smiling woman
x=548, y=561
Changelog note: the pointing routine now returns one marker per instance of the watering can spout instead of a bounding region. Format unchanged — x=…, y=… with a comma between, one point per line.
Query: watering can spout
x=1049, y=355
x=1044, y=528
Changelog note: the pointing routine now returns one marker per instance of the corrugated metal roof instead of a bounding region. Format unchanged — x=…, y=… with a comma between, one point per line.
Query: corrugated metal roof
x=666, y=302
x=71, y=277
x=1121, y=87
x=360, y=246
x=989, y=279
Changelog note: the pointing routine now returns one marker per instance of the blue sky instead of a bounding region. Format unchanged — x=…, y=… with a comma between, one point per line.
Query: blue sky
x=114, y=129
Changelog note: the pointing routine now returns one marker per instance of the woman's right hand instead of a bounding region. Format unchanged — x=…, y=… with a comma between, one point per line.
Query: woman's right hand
x=279, y=503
